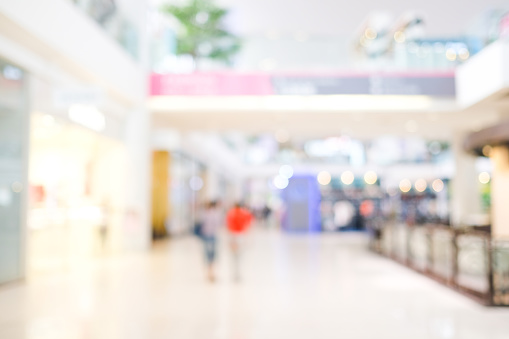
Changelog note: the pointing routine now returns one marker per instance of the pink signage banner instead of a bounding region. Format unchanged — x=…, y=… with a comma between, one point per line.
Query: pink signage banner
x=231, y=84
x=211, y=84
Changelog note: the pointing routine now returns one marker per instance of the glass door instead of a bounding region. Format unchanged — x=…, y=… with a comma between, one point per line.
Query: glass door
x=13, y=169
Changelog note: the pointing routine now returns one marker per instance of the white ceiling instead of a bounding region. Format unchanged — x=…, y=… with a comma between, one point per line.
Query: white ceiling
x=342, y=18
x=315, y=123
x=436, y=120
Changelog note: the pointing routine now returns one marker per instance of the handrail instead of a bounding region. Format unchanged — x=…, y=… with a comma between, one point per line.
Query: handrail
x=468, y=260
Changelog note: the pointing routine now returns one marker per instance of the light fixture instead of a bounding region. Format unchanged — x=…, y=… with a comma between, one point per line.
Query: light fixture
x=286, y=103
x=347, y=178
x=437, y=185
x=420, y=185
x=286, y=171
x=405, y=185
x=87, y=116
x=484, y=177
x=463, y=53
x=324, y=178
x=486, y=150
x=370, y=34
x=17, y=187
x=280, y=182
x=399, y=37
x=370, y=177
x=450, y=54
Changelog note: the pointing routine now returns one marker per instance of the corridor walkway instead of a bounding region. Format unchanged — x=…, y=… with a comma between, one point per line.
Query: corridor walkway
x=293, y=287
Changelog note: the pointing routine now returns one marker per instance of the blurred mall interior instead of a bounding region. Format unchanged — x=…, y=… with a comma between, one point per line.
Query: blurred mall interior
x=368, y=140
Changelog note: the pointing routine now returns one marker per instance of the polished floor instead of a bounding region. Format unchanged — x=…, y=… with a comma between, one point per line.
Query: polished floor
x=292, y=286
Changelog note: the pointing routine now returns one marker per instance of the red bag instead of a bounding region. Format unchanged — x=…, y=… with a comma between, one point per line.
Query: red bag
x=238, y=220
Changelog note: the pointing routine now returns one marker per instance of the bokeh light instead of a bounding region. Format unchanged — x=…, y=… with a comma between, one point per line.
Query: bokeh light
x=324, y=178
x=486, y=150
x=286, y=171
x=420, y=185
x=370, y=177
x=405, y=185
x=450, y=54
x=280, y=182
x=438, y=185
x=399, y=37
x=347, y=178
x=484, y=177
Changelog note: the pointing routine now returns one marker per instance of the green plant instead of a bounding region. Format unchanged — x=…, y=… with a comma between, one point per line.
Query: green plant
x=202, y=34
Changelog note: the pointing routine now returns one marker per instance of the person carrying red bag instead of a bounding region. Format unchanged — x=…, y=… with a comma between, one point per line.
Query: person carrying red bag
x=238, y=221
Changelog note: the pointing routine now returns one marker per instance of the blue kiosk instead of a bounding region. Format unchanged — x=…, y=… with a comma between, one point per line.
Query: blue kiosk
x=302, y=200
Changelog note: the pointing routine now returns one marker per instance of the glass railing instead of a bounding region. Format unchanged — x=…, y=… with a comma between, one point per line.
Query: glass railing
x=116, y=25
x=277, y=51
x=490, y=26
x=324, y=54
x=467, y=260
x=339, y=53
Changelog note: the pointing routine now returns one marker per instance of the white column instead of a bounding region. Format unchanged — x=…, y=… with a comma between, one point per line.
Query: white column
x=138, y=145
x=139, y=148
x=465, y=195
x=500, y=192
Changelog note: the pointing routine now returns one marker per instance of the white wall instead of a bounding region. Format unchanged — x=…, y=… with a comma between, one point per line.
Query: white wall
x=332, y=17
x=483, y=76
x=66, y=38
x=62, y=47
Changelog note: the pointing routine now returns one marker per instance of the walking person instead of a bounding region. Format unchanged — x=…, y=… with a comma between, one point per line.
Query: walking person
x=238, y=220
x=212, y=220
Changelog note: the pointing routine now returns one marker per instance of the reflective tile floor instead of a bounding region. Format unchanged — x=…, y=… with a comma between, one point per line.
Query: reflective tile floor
x=292, y=286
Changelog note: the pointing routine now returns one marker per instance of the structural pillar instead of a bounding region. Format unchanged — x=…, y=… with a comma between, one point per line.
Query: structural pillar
x=160, y=192
x=465, y=195
x=500, y=192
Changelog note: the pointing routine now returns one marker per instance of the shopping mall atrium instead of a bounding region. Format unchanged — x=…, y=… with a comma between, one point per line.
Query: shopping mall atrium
x=244, y=169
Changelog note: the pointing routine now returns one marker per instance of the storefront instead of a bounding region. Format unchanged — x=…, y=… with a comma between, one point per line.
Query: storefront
x=178, y=193
x=77, y=190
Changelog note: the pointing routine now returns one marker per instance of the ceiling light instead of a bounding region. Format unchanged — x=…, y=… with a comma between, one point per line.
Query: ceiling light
x=370, y=34
x=347, y=178
x=324, y=178
x=286, y=171
x=450, y=54
x=88, y=116
x=370, y=177
x=280, y=182
x=399, y=37
x=484, y=177
x=463, y=53
x=486, y=150
x=438, y=185
x=405, y=185
x=420, y=185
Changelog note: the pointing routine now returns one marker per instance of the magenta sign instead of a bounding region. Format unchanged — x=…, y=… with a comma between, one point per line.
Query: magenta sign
x=232, y=84
x=211, y=84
